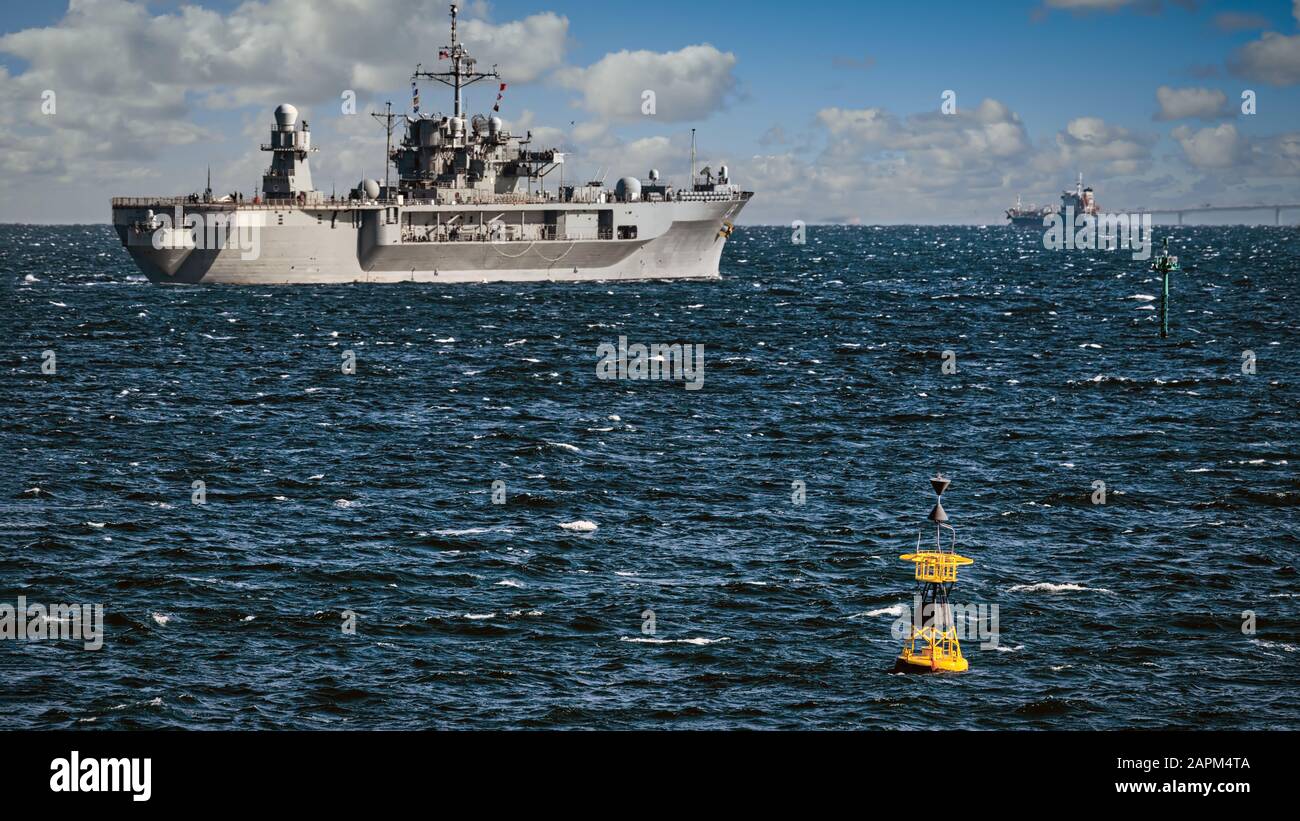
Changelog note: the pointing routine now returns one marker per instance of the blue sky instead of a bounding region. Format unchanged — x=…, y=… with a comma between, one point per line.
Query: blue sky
x=852, y=89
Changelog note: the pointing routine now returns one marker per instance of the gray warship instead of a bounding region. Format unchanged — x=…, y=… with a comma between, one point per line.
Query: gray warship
x=469, y=204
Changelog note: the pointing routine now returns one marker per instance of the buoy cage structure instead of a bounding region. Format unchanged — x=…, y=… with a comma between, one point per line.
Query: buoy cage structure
x=932, y=646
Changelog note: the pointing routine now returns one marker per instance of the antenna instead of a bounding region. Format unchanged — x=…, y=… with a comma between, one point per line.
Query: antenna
x=692, y=159
x=462, y=72
x=387, y=118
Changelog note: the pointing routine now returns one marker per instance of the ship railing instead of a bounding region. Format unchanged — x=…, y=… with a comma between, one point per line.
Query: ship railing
x=236, y=205
x=535, y=234
x=441, y=202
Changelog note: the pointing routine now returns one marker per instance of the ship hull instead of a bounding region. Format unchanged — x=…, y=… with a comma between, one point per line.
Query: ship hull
x=374, y=244
x=1035, y=221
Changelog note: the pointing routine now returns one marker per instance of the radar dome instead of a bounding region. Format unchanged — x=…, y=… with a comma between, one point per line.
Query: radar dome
x=286, y=115
x=369, y=188
x=654, y=175
x=494, y=125
x=628, y=189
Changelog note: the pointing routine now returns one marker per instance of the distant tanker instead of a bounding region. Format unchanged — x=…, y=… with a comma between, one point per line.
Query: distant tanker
x=1080, y=199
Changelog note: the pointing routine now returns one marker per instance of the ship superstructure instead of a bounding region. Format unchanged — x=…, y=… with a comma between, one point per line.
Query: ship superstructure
x=470, y=203
x=1080, y=200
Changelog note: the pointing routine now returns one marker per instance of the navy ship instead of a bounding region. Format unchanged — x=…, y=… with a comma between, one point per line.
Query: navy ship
x=469, y=204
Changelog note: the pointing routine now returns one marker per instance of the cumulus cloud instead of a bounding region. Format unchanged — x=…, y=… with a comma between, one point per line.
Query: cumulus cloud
x=688, y=84
x=876, y=165
x=968, y=136
x=1273, y=58
x=1224, y=150
x=1090, y=142
x=150, y=71
x=1217, y=147
x=1182, y=103
x=526, y=49
x=606, y=154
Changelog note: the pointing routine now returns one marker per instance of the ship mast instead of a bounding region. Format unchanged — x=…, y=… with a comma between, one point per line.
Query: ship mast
x=462, y=72
x=387, y=119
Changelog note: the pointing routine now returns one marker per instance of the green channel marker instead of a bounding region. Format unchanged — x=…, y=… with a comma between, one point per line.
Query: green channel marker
x=1165, y=265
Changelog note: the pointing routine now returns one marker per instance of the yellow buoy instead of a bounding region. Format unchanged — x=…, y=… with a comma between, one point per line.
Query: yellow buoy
x=932, y=645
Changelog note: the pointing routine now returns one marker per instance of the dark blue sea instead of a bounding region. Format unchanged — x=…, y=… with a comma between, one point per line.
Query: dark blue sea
x=371, y=494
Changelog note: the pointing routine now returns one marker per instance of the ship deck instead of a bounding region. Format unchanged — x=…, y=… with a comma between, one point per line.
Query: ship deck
x=347, y=204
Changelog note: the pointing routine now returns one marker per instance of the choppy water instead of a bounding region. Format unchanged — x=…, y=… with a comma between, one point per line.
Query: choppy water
x=371, y=493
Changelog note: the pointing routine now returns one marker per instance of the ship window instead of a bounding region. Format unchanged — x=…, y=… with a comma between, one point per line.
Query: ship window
x=627, y=232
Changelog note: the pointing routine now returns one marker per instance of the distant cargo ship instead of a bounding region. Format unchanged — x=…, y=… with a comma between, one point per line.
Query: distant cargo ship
x=1028, y=216
x=1081, y=200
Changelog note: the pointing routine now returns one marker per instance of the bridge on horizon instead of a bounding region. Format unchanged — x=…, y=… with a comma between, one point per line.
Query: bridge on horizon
x=1207, y=207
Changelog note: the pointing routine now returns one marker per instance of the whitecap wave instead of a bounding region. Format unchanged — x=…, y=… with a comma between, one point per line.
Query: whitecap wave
x=1049, y=587
x=892, y=610
x=699, y=641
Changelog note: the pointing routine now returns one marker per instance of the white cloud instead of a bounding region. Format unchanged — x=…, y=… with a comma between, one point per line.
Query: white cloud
x=990, y=130
x=1092, y=143
x=1273, y=58
x=1182, y=103
x=526, y=49
x=1217, y=147
x=127, y=79
x=688, y=84
x=878, y=166
x=143, y=90
x=1231, y=155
